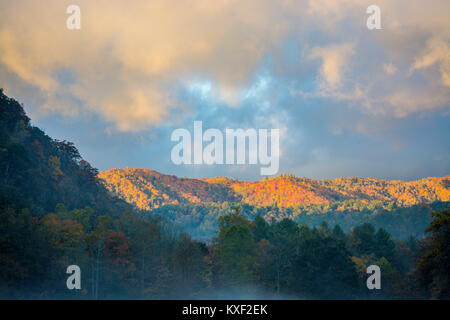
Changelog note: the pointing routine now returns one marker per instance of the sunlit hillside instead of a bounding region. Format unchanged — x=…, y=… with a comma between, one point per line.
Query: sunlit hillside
x=148, y=189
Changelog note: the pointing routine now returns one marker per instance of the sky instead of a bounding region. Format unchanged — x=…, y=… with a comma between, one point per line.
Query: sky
x=348, y=101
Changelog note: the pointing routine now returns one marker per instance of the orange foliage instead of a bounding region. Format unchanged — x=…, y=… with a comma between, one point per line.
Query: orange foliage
x=148, y=189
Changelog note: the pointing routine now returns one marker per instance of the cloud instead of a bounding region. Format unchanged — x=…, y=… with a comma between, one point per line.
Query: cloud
x=334, y=61
x=389, y=68
x=127, y=60
x=128, y=63
x=437, y=52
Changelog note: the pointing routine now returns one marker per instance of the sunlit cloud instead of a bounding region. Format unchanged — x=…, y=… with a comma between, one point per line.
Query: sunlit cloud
x=128, y=62
x=335, y=61
x=437, y=53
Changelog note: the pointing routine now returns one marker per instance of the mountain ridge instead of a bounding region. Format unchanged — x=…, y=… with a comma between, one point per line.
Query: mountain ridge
x=148, y=189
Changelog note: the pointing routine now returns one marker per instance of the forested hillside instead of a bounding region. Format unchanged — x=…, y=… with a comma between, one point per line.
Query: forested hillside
x=194, y=205
x=148, y=189
x=55, y=213
x=39, y=172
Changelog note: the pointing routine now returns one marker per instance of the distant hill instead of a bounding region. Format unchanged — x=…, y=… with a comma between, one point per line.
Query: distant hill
x=148, y=190
x=194, y=205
